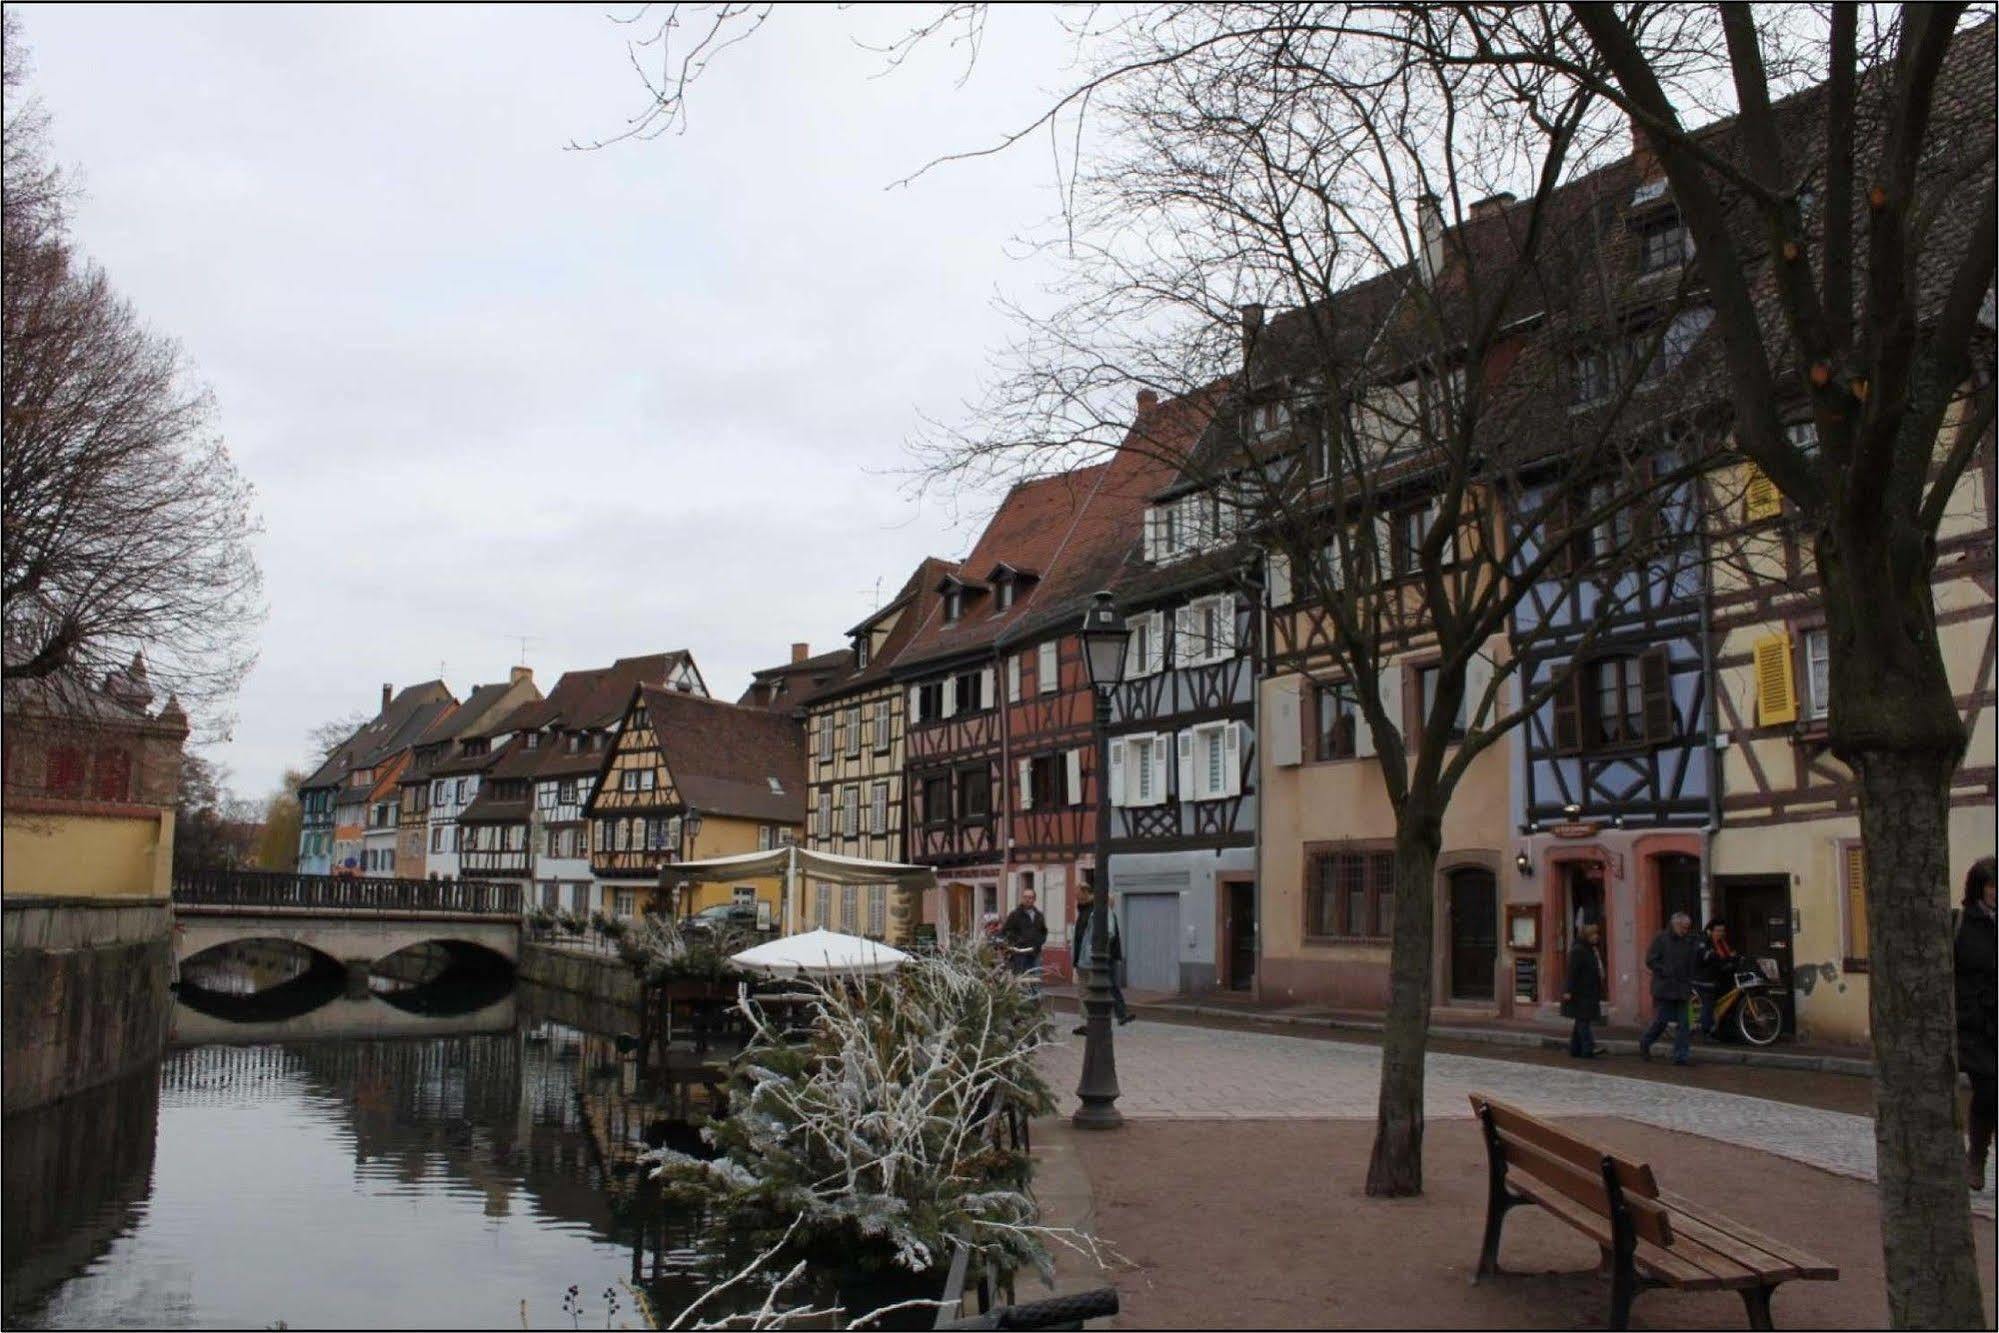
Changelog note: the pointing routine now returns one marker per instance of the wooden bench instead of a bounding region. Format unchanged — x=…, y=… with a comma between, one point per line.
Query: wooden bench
x=1649, y=1238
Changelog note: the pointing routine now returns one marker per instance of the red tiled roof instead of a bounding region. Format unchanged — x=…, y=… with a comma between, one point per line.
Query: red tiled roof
x=723, y=757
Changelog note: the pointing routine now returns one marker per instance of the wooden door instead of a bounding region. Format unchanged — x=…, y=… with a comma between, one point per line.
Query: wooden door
x=1757, y=909
x=1242, y=936
x=1474, y=934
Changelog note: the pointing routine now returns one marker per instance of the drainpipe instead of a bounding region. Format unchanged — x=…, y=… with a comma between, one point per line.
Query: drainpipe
x=1006, y=791
x=1258, y=660
x=1713, y=688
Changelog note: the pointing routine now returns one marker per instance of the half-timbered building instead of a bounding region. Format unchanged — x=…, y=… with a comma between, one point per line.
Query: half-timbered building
x=854, y=765
x=675, y=753
x=333, y=799
x=437, y=743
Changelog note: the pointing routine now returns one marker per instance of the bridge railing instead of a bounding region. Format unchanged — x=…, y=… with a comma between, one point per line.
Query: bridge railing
x=266, y=888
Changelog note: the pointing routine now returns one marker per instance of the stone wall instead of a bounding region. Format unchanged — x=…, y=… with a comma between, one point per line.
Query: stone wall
x=601, y=978
x=84, y=994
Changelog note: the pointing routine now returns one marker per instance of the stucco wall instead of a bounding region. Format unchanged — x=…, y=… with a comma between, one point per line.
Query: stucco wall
x=83, y=994
x=110, y=855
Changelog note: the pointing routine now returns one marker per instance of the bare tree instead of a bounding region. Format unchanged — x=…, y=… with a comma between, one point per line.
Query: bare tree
x=126, y=524
x=330, y=735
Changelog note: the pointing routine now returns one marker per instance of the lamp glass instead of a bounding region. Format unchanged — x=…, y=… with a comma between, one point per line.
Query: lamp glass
x=1104, y=642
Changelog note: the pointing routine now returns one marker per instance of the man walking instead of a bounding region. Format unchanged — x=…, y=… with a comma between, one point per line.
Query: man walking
x=1083, y=928
x=1025, y=931
x=1582, y=993
x=1673, y=959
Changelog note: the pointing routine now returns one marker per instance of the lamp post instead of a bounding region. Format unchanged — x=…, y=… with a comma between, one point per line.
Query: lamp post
x=1103, y=635
x=690, y=829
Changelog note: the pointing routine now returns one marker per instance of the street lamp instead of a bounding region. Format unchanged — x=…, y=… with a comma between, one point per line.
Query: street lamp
x=1104, y=642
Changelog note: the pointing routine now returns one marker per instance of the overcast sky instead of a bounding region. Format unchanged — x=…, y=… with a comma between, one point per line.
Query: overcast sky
x=619, y=401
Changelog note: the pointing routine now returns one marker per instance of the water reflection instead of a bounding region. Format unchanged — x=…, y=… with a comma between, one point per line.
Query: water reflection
x=367, y=1161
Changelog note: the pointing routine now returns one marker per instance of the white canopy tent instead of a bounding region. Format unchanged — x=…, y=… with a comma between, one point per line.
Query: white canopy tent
x=820, y=952
x=791, y=861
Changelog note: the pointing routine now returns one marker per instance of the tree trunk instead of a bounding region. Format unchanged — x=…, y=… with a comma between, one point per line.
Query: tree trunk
x=1396, y=1168
x=1895, y=721
x=1918, y=1140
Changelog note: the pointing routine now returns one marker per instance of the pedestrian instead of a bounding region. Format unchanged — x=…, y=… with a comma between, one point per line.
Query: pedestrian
x=1025, y=931
x=1582, y=997
x=1084, y=909
x=1716, y=973
x=1673, y=959
x=1976, y=955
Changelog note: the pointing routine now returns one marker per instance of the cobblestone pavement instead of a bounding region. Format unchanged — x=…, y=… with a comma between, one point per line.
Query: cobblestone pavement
x=1171, y=1072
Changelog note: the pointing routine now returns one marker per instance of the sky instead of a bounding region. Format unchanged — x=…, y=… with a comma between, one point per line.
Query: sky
x=652, y=396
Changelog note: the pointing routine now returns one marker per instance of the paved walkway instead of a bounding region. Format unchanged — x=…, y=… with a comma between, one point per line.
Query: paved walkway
x=1171, y=1072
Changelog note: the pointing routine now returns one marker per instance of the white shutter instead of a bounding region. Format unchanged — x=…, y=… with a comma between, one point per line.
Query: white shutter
x=988, y=696
x=915, y=703
x=1024, y=776
x=950, y=708
x=1478, y=678
x=1159, y=760
x=1013, y=678
x=1225, y=626
x=1284, y=736
x=1117, y=773
x=1150, y=544
x=1336, y=561
x=1075, y=758
x=1158, y=645
x=1232, y=759
x=1383, y=563
x=1185, y=743
x=1048, y=672
x=1277, y=568
x=1186, y=651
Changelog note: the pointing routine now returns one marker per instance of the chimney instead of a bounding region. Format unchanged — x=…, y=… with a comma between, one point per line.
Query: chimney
x=1492, y=205
x=1430, y=223
x=516, y=675
x=388, y=693
x=800, y=651
x=1147, y=400
x=1252, y=328
x=1644, y=157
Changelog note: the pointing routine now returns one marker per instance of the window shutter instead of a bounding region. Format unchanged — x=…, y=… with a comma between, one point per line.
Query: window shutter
x=1048, y=674
x=1277, y=567
x=1658, y=683
x=1224, y=626
x=1478, y=679
x=950, y=708
x=1286, y=732
x=1383, y=563
x=1187, y=649
x=1232, y=759
x=1188, y=789
x=1024, y=776
x=1760, y=497
x=1118, y=795
x=915, y=703
x=1151, y=542
x=1776, y=691
x=1075, y=762
x=1569, y=712
x=1158, y=662
x=1013, y=678
x=988, y=696
x=1159, y=757
x=1856, y=900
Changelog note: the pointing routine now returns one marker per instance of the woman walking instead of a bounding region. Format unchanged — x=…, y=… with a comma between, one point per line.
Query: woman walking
x=1582, y=995
x=1977, y=959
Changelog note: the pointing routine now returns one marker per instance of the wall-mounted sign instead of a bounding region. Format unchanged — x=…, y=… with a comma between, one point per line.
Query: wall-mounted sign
x=1527, y=978
x=1523, y=927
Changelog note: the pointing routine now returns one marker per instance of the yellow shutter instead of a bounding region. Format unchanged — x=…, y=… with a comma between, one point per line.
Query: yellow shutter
x=1776, y=692
x=1856, y=900
x=1760, y=497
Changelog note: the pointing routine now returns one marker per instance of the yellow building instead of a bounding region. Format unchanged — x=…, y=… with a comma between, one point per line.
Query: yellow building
x=677, y=754
x=91, y=779
x=854, y=769
x=1790, y=820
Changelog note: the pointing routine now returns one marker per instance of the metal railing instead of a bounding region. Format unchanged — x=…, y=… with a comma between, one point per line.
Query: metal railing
x=343, y=893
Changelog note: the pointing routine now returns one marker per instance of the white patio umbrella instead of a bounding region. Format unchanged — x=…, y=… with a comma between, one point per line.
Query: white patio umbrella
x=820, y=953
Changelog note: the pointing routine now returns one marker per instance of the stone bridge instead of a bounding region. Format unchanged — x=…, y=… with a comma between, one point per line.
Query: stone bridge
x=340, y=1019
x=356, y=922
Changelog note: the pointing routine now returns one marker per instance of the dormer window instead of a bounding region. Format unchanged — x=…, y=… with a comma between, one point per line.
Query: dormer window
x=534, y=740
x=1269, y=418
x=954, y=604
x=1003, y=596
x=861, y=652
x=1664, y=244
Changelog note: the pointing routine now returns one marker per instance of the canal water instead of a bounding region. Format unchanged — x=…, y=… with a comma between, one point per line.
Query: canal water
x=390, y=1160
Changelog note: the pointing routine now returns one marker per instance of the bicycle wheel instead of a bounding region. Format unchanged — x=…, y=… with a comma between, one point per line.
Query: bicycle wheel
x=1759, y=1020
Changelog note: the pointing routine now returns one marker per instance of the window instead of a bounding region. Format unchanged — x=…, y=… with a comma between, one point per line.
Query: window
x=1818, y=675
x=1013, y=678
x=1048, y=667
x=975, y=795
x=459, y=794
x=825, y=821
x=111, y=774
x=1426, y=684
x=853, y=731
x=1619, y=701
x=822, y=906
x=1676, y=341
x=1145, y=653
x=861, y=652
x=1336, y=722
x=1349, y=894
x=1204, y=631
x=534, y=740
x=970, y=698
x=763, y=837
x=437, y=838
x=1663, y=244
x=1138, y=769
x=1046, y=785
x=850, y=811
x=566, y=792
x=953, y=603
x=1269, y=418
x=877, y=910
x=579, y=898
x=878, y=820
x=929, y=701
x=826, y=724
x=1590, y=376
x=850, y=909
x=1217, y=763
x=937, y=799
x=648, y=777
x=1002, y=596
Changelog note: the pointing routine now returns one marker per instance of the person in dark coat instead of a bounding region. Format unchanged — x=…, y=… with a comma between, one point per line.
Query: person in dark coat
x=1717, y=972
x=1025, y=931
x=1674, y=960
x=1976, y=956
x=1082, y=949
x=1583, y=993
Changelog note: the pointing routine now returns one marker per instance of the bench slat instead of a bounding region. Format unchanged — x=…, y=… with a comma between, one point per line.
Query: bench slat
x=1664, y=1265
x=1690, y=1230
x=1634, y=1177
x=1806, y=1265
x=1648, y=1218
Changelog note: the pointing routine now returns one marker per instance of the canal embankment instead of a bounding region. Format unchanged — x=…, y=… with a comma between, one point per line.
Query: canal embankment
x=84, y=996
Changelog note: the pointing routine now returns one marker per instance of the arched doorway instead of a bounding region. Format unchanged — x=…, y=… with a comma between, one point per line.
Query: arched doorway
x=1474, y=908
x=1679, y=887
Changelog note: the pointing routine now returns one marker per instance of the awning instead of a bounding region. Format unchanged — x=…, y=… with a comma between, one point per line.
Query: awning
x=820, y=953
x=795, y=860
